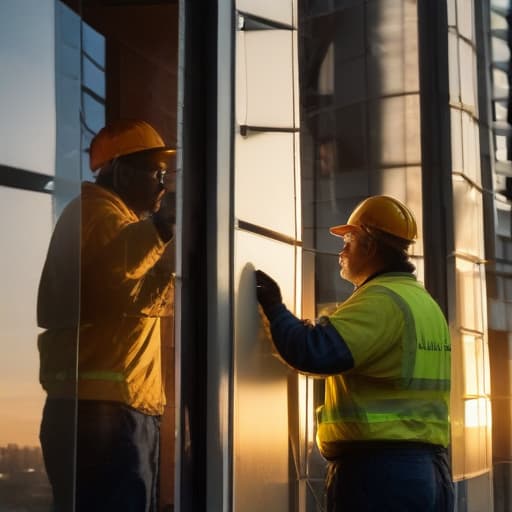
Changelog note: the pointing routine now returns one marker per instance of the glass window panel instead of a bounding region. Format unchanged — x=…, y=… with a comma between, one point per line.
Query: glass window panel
x=393, y=60
x=404, y=183
x=500, y=111
x=497, y=20
x=349, y=31
x=265, y=181
x=412, y=129
x=453, y=69
x=477, y=426
x=471, y=161
x=93, y=44
x=68, y=56
x=486, y=368
x=497, y=317
x=346, y=133
x=385, y=74
x=467, y=74
x=410, y=46
x=469, y=295
x=500, y=78
x=27, y=90
x=387, y=131
x=452, y=12
x=465, y=19
x=501, y=148
x=386, y=33
x=93, y=77
x=269, y=81
x=508, y=308
x=500, y=49
x=475, y=365
x=468, y=218
x=94, y=113
x=24, y=244
x=456, y=140
x=260, y=448
x=349, y=81
x=470, y=365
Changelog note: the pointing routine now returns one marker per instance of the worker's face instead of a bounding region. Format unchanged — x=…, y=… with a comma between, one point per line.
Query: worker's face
x=150, y=180
x=354, y=258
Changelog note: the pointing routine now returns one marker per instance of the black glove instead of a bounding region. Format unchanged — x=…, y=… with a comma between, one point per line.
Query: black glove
x=267, y=291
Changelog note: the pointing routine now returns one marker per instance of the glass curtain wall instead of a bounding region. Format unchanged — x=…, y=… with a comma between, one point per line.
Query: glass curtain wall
x=496, y=46
x=360, y=135
x=34, y=163
x=471, y=412
x=73, y=66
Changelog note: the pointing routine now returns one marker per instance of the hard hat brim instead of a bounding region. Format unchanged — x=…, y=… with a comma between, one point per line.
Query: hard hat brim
x=343, y=229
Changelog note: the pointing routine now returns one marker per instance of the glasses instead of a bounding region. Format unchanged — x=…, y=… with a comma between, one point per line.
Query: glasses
x=164, y=177
x=160, y=176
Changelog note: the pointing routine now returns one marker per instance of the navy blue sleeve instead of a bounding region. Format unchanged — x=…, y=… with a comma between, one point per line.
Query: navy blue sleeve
x=310, y=348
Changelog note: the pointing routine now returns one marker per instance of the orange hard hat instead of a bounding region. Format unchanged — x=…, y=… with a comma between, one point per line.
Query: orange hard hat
x=384, y=213
x=124, y=137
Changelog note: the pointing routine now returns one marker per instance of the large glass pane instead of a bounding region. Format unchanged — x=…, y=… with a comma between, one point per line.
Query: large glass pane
x=23, y=481
x=468, y=217
x=360, y=135
x=72, y=67
x=129, y=70
x=27, y=97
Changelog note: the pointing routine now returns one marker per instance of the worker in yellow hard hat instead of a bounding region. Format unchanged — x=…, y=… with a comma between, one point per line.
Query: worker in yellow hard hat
x=385, y=354
x=106, y=282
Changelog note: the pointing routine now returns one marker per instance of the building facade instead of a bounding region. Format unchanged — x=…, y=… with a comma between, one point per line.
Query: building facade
x=285, y=115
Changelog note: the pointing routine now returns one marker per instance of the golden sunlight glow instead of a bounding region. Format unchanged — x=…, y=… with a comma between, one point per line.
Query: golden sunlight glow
x=477, y=413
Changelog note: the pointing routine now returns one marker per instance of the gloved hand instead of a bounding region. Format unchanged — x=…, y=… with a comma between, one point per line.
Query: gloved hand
x=267, y=291
x=165, y=218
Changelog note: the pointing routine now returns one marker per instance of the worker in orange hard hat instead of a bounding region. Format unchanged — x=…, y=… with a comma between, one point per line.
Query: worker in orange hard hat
x=100, y=348
x=385, y=354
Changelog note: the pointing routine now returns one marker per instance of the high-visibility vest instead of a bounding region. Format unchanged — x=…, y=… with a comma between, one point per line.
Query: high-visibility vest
x=399, y=387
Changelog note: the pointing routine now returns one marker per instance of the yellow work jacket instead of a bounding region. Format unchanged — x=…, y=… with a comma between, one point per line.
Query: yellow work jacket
x=106, y=282
x=399, y=386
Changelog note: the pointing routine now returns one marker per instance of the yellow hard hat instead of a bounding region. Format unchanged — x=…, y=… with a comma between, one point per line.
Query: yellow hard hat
x=124, y=137
x=384, y=213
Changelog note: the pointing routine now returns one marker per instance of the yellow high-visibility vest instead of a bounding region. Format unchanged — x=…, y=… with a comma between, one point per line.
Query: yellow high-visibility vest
x=399, y=387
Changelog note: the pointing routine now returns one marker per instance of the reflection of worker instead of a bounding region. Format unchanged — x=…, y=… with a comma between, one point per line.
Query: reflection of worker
x=125, y=287
x=385, y=352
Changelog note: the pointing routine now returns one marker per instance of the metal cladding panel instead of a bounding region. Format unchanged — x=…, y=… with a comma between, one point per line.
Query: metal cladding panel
x=281, y=11
x=260, y=412
x=265, y=78
x=265, y=181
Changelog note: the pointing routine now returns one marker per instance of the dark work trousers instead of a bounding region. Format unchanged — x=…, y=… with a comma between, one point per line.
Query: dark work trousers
x=390, y=477
x=117, y=456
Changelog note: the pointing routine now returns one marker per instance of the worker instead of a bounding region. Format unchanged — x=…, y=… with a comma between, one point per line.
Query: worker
x=106, y=282
x=385, y=356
